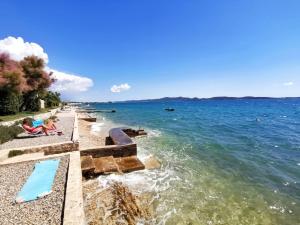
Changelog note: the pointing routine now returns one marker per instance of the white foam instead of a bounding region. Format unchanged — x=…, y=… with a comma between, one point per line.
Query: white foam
x=142, y=181
x=277, y=208
x=286, y=183
x=96, y=127
x=154, y=133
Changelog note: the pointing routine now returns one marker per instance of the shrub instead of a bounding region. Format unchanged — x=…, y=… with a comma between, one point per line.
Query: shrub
x=13, y=153
x=32, y=101
x=9, y=133
x=21, y=121
x=53, y=118
x=52, y=99
x=10, y=102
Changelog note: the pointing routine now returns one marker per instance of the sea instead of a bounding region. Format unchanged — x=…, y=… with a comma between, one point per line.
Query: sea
x=224, y=161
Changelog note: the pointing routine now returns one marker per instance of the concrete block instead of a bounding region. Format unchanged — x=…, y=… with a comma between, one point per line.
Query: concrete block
x=119, y=137
x=73, y=209
x=129, y=164
x=87, y=165
x=105, y=165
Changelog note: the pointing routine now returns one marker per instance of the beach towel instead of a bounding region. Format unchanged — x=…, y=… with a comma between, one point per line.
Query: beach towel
x=37, y=123
x=40, y=181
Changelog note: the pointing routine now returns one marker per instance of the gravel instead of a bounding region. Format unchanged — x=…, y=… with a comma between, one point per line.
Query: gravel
x=46, y=210
x=65, y=124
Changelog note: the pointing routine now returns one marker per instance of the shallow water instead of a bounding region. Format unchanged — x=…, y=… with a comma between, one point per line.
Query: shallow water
x=223, y=161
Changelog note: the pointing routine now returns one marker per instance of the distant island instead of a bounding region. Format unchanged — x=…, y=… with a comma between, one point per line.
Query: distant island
x=164, y=99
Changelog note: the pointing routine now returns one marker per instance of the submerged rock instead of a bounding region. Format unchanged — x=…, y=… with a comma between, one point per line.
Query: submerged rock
x=115, y=204
x=151, y=163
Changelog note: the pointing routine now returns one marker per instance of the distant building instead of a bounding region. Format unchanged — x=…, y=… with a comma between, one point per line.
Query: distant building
x=42, y=104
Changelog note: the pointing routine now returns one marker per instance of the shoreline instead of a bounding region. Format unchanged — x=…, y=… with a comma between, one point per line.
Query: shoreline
x=101, y=199
x=107, y=201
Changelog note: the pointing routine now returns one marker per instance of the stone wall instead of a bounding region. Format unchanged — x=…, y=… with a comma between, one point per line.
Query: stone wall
x=49, y=149
x=111, y=150
x=73, y=208
x=60, y=148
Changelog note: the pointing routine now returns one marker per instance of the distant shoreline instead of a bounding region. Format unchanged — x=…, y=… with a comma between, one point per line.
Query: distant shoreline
x=196, y=99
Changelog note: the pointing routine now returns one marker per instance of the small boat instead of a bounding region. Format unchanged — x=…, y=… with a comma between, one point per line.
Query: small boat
x=169, y=109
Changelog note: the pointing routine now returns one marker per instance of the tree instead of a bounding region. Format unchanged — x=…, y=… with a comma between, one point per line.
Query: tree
x=12, y=84
x=52, y=99
x=37, y=79
x=23, y=84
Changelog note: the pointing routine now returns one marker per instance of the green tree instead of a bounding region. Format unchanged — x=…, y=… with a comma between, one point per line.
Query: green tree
x=37, y=79
x=52, y=99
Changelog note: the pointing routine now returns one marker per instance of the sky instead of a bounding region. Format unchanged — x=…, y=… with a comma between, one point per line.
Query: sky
x=141, y=49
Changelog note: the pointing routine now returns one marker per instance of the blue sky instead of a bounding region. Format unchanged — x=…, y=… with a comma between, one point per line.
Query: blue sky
x=165, y=48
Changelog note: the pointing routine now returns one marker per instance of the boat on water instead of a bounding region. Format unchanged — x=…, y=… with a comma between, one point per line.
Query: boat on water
x=169, y=109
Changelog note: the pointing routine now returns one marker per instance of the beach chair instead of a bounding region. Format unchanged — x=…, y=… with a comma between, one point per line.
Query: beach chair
x=36, y=133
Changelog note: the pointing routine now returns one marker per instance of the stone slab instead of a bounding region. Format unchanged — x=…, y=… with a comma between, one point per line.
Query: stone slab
x=87, y=164
x=134, y=133
x=129, y=164
x=75, y=134
x=152, y=163
x=105, y=165
x=89, y=119
x=29, y=157
x=73, y=209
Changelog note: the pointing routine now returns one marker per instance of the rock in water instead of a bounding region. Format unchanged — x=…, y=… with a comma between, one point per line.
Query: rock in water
x=151, y=163
x=114, y=204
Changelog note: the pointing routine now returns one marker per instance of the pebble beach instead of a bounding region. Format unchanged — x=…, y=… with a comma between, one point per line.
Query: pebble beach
x=48, y=209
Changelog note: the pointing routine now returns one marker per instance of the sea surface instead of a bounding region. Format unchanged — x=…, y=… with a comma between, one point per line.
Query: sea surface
x=223, y=161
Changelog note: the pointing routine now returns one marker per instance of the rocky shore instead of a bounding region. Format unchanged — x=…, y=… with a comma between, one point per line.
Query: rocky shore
x=114, y=204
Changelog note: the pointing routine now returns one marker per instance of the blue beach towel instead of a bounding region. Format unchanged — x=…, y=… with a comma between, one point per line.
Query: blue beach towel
x=37, y=123
x=40, y=181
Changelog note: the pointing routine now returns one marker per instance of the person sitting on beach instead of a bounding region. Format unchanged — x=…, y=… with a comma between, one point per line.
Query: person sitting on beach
x=50, y=124
x=39, y=129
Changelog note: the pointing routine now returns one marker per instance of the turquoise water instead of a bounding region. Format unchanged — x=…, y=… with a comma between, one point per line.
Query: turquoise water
x=223, y=161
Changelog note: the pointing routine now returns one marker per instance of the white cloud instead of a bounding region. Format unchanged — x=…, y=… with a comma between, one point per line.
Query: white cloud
x=66, y=82
x=17, y=48
x=290, y=83
x=120, y=88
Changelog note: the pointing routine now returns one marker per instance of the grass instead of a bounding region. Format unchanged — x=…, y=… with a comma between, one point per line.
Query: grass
x=9, y=133
x=13, y=153
x=21, y=115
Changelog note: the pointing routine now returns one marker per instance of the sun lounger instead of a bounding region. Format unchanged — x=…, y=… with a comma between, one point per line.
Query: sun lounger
x=39, y=132
x=40, y=182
